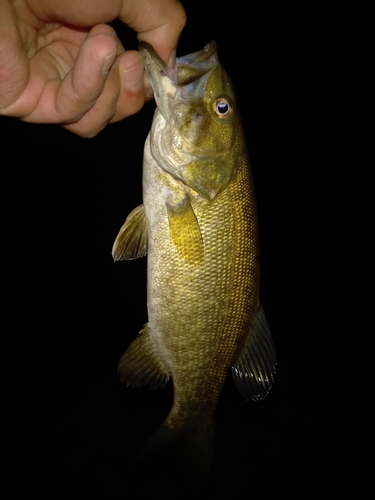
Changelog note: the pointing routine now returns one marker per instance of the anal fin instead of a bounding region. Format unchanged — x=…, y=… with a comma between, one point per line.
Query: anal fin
x=253, y=372
x=141, y=365
x=131, y=241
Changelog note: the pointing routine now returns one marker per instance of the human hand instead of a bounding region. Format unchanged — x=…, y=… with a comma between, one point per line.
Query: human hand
x=60, y=62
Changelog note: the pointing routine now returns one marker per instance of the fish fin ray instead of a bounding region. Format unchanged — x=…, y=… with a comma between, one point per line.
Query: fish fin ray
x=253, y=372
x=185, y=453
x=131, y=241
x=185, y=232
x=141, y=365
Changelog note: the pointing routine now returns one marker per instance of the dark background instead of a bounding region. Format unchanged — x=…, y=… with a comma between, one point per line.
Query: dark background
x=303, y=74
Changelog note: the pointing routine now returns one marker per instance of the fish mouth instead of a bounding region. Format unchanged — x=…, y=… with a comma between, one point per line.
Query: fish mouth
x=187, y=69
x=184, y=80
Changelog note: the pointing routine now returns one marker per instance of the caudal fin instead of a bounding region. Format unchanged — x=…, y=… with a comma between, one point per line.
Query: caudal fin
x=175, y=460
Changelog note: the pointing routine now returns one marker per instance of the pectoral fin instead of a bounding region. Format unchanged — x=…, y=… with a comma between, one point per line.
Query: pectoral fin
x=185, y=232
x=141, y=364
x=253, y=373
x=131, y=241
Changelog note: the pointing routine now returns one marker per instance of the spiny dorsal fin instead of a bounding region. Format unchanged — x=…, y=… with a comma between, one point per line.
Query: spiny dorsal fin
x=253, y=373
x=185, y=232
x=131, y=241
x=141, y=365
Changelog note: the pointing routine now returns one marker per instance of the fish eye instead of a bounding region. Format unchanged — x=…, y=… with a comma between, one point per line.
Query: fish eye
x=223, y=107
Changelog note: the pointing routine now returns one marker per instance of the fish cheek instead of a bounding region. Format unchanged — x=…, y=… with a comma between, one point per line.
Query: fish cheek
x=211, y=174
x=198, y=126
x=216, y=135
x=223, y=133
x=191, y=120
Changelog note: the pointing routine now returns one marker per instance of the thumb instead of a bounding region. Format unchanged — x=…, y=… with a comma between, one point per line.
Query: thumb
x=14, y=63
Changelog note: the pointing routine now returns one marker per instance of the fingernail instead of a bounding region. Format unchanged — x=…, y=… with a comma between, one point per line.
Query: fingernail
x=134, y=78
x=172, y=60
x=108, y=62
x=149, y=92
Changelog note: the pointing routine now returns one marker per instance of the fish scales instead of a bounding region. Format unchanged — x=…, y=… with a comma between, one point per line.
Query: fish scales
x=200, y=314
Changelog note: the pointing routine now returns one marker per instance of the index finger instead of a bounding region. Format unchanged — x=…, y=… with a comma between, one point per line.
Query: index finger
x=158, y=22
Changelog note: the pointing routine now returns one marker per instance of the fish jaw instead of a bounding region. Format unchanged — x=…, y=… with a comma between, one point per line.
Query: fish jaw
x=182, y=80
x=159, y=74
x=190, y=140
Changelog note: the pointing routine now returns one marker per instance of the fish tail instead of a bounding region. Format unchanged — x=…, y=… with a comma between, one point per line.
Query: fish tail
x=178, y=458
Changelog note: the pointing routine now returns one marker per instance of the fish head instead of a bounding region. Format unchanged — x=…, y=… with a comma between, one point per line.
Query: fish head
x=194, y=137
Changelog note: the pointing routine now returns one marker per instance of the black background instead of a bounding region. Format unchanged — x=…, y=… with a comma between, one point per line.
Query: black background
x=303, y=75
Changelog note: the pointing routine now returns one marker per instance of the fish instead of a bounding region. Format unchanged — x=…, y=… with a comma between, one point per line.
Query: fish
x=198, y=226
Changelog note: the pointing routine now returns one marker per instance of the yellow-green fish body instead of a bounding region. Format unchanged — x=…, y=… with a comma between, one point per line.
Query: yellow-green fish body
x=198, y=225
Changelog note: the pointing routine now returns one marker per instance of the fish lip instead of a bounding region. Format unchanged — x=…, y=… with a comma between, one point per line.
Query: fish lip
x=147, y=50
x=202, y=61
x=159, y=75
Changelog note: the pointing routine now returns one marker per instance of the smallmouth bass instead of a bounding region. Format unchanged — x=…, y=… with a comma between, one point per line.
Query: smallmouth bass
x=198, y=225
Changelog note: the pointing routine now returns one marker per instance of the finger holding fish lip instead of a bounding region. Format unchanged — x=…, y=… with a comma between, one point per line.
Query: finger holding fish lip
x=115, y=87
x=133, y=86
x=124, y=96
